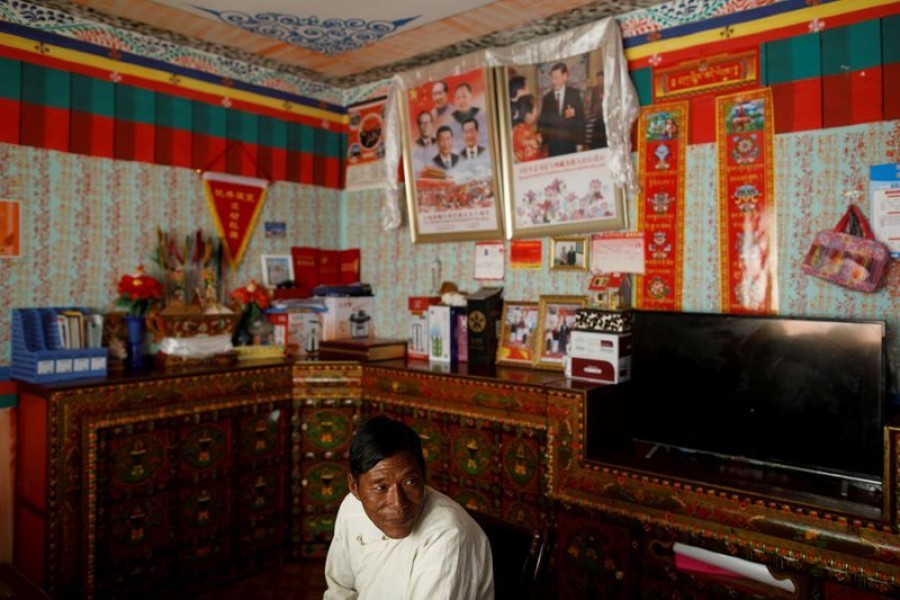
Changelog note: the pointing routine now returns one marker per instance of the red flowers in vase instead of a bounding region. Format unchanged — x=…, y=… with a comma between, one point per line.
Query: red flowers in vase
x=138, y=292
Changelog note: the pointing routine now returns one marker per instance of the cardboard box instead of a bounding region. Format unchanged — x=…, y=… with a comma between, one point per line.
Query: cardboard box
x=336, y=321
x=591, y=369
x=298, y=330
x=418, y=345
x=443, y=336
x=602, y=357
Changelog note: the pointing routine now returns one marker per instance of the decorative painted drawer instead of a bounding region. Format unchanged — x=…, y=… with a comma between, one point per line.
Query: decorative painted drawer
x=500, y=397
x=394, y=384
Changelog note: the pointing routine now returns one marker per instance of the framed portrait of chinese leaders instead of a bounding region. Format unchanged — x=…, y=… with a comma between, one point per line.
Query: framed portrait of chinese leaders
x=564, y=102
x=449, y=153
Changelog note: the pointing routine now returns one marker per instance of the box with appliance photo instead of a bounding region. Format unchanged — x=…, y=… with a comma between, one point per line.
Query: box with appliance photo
x=604, y=357
x=298, y=330
x=348, y=316
x=418, y=344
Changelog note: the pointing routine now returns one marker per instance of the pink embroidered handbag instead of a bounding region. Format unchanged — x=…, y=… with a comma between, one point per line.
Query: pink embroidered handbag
x=857, y=262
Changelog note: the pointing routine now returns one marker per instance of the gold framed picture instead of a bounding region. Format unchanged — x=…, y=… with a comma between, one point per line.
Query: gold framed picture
x=556, y=320
x=449, y=157
x=516, y=345
x=569, y=253
x=555, y=157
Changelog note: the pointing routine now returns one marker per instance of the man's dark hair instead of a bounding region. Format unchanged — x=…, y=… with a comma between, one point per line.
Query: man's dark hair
x=442, y=129
x=462, y=85
x=526, y=105
x=444, y=85
x=382, y=437
x=422, y=114
x=561, y=67
x=471, y=120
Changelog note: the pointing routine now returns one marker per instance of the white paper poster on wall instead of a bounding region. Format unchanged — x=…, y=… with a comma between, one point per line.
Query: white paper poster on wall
x=365, y=147
x=885, y=189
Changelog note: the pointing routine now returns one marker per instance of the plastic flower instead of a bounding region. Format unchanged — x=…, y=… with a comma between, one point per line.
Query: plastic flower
x=138, y=292
x=251, y=294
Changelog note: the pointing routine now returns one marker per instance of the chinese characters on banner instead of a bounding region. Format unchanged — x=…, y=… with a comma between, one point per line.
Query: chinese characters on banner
x=747, y=237
x=662, y=142
x=235, y=203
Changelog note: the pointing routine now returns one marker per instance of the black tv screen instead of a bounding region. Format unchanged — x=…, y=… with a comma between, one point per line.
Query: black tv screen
x=793, y=392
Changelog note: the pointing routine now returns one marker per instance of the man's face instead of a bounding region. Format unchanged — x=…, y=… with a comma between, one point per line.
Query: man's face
x=439, y=95
x=425, y=125
x=558, y=79
x=470, y=135
x=392, y=494
x=445, y=142
x=463, y=98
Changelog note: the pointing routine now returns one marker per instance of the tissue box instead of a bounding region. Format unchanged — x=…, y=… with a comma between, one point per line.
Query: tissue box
x=602, y=357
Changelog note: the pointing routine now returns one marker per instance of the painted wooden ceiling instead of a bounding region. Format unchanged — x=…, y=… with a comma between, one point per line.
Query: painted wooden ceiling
x=347, y=42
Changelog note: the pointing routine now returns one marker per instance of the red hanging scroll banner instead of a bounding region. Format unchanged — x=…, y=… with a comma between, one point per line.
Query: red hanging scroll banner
x=662, y=144
x=747, y=235
x=235, y=202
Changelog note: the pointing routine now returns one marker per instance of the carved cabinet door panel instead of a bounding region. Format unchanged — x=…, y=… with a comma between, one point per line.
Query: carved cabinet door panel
x=592, y=559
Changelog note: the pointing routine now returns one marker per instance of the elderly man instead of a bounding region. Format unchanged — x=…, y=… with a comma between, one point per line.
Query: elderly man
x=395, y=537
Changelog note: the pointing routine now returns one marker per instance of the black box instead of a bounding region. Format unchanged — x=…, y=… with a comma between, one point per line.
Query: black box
x=485, y=311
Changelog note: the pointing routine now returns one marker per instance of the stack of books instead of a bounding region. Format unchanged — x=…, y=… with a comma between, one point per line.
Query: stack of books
x=363, y=349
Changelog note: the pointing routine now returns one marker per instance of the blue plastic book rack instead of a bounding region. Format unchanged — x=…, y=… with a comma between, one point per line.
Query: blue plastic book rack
x=38, y=355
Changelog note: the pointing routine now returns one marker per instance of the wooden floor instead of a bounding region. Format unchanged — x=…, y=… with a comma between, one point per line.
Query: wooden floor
x=304, y=580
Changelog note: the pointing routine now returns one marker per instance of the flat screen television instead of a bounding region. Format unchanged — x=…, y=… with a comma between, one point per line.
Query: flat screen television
x=791, y=402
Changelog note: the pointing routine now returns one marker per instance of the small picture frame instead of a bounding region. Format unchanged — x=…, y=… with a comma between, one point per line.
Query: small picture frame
x=276, y=269
x=518, y=326
x=556, y=320
x=569, y=253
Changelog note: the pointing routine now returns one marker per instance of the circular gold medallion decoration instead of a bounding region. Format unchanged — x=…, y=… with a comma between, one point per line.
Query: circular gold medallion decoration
x=477, y=321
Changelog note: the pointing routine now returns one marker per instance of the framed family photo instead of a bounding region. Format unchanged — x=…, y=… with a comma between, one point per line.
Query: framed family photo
x=569, y=253
x=449, y=157
x=556, y=321
x=276, y=269
x=555, y=154
x=519, y=323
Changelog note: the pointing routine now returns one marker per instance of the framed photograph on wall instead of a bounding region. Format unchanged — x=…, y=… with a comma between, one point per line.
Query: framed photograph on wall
x=276, y=269
x=569, y=253
x=516, y=344
x=556, y=320
x=554, y=151
x=449, y=157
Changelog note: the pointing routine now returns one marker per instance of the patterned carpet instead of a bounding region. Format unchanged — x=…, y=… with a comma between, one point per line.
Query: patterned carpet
x=303, y=580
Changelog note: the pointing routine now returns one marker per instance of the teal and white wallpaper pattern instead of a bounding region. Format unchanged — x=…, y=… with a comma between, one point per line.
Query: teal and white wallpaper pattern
x=87, y=221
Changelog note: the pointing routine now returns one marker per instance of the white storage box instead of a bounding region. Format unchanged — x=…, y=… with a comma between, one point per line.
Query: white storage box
x=597, y=356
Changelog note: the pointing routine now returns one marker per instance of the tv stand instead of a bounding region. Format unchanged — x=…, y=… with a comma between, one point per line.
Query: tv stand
x=854, y=496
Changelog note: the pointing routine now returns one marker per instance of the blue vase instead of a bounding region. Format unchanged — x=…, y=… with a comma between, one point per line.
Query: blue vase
x=136, y=329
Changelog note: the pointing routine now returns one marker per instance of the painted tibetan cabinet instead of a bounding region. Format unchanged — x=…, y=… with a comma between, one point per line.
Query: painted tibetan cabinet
x=128, y=488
